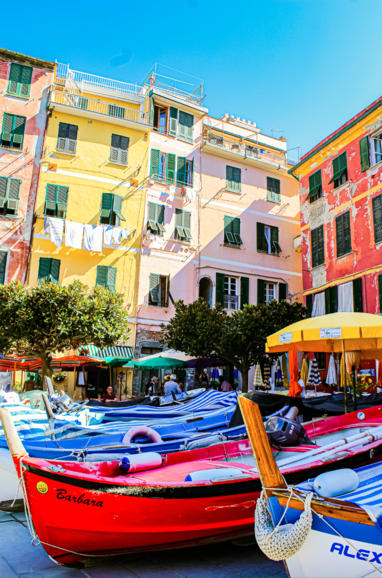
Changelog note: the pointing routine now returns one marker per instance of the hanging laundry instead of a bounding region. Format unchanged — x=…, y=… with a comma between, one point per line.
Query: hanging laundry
x=56, y=229
x=73, y=234
x=108, y=234
x=93, y=235
x=117, y=234
x=190, y=195
x=125, y=233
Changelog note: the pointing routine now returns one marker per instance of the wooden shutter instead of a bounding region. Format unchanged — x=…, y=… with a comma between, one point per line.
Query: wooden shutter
x=343, y=234
x=275, y=245
x=151, y=217
x=315, y=186
x=160, y=214
x=13, y=195
x=72, y=131
x=186, y=122
x=106, y=207
x=6, y=132
x=236, y=231
x=173, y=128
x=170, y=176
x=154, y=167
x=18, y=130
x=347, y=231
x=327, y=301
x=309, y=304
x=244, y=291
x=220, y=289
x=152, y=110
x=154, y=288
x=317, y=246
x=62, y=201
x=228, y=230
x=117, y=208
x=229, y=177
x=339, y=167
x=102, y=276
x=181, y=171
x=260, y=291
x=63, y=130
x=50, y=198
x=14, y=78
x=364, y=153
x=236, y=179
x=3, y=266
x=357, y=295
x=333, y=299
x=3, y=190
x=380, y=292
x=261, y=240
x=282, y=291
x=25, y=81
x=377, y=218
x=54, y=276
x=43, y=270
x=111, y=278
x=179, y=231
x=187, y=225
x=314, y=247
x=116, y=141
x=273, y=190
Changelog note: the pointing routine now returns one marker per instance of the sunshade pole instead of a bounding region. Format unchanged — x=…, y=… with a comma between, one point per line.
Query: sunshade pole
x=345, y=386
x=354, y=386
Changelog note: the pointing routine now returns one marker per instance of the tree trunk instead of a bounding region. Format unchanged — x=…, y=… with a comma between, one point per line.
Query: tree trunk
x=46, y=370
x=244, y=380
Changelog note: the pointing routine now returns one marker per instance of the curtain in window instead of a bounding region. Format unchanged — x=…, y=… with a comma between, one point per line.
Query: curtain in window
x=345, y=297
x=267, y=233
x=319, y=304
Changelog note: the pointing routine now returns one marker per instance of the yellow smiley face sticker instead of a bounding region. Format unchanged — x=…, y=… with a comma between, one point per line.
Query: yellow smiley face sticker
x=42, y=487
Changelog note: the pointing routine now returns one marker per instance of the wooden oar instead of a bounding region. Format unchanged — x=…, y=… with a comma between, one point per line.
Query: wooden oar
x=266, y=465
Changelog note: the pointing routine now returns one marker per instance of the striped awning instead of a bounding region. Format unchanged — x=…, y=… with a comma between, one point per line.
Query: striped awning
x=108, y=351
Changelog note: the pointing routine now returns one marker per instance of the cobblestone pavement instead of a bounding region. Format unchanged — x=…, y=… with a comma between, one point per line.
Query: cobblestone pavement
x=18, y=558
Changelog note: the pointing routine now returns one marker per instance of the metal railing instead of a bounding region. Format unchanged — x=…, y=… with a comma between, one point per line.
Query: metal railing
x=244, y=150
x=231, y=302
x=85, y=80
x=98, y=106
x=177, y=92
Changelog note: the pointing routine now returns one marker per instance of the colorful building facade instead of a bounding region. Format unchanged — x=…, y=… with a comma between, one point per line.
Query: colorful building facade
x=24, y=88
x=93, y=172
x=341, y=217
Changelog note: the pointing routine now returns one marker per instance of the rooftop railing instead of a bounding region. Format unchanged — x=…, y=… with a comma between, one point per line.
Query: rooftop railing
x=98, y=107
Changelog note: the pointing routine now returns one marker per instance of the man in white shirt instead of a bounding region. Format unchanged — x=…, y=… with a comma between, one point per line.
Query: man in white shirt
x=171, y=385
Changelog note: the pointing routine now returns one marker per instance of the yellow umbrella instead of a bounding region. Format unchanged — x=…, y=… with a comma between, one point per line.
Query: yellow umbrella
x=258, y=379
x=284, y=366
x=305, y=371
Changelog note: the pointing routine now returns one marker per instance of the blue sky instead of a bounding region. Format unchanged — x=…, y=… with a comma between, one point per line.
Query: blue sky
x=301, y=66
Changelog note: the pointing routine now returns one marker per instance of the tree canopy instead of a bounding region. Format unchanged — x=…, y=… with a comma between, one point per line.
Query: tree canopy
x=238, y=337
x=51, y=318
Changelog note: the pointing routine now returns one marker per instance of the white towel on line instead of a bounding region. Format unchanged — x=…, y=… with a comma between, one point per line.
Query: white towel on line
x=56, y=228
x=125, y=233
x=117, y=234
x=73, y=234
x=107, y=234
x=93, y=235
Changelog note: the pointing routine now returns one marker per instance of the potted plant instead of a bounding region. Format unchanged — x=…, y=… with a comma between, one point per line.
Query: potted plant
x=59, y=376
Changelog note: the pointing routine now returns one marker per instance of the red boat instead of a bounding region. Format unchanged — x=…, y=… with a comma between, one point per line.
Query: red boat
x=86, y=510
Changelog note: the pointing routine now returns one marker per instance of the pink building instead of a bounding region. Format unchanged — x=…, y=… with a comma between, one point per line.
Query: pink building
x=24, y=87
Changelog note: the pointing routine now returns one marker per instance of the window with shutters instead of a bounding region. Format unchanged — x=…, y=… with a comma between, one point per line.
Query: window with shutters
x=340, y=171
x=231, y=296
x=117, y=111
x=364, y=153
x=232, y=231
x=3, y=266
x=315, y=187
x=67, y=138
x=160, y=118
x=268, y=239
x=56, y=201
x=111, y=209
x=185, y=172
x=106, y=277
x=376, y=152
x=183, y=225
x=119, y=149
x=273, y=190
x=185, y=126
x=233, y=179
x=20, y=78
x=155, y=219
x=317, y=246
x=159, y=290
x=270, y=292
x=377, y=218
x=12, y=132
x=48, y=271
x=9, y=195
x=343, y=234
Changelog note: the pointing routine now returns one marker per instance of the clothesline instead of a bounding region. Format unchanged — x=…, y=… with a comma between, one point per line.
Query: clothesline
x=94, y=236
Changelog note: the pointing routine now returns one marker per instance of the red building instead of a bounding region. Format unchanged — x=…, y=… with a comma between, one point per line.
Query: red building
x=24, y=87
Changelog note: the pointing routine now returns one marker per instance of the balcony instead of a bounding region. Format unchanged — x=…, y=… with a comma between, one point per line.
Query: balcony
x=255, y=154
x=97, y=109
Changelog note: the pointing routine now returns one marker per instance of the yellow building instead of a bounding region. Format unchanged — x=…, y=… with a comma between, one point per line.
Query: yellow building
x=93, y=171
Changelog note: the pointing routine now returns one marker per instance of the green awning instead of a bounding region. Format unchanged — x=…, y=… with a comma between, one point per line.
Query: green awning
x=116, y=361
x=108, y=351
x=157, y=363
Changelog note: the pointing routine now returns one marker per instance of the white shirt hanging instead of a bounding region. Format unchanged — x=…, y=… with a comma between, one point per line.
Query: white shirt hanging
x=56, y=230
x=73, y=234
x=93, y=238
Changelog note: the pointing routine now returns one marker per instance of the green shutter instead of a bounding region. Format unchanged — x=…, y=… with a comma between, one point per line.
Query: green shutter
x=18, y=130
x=327, y=301
x=154, y=288
x=187, y=225
x=3, y=190
x=260, y=291
x=170, y=176
x=377, y=218
x=151, y=217
x=6, y=131
x=20, y=78
x=3, y=265
x=229, y=176
x=364, y=153
x=244, y=291
x=343, y=234
x=179, y=231
x=309, y=304
x=102, y=276
x=380, y=292
x=228, y=229
x=111, y=278
x=339, y=167
x=43, y=270
x=273, y=190
x=236, y=231
x=220, y=289
x=282, y=291
x=185, y=130
x=13, y=195
x=261, y=240
x=14, y=78
x=233, y=177
x=357, y=295
x=152, y=109
x=173, y=127
x=106, y=208
x=317, y=246
x=315, y=186
x=275, y=246
x=154, y=167
x=117, y=208
x=181, y=171
x=50, y=198
x=54, y=273
x=62, y=201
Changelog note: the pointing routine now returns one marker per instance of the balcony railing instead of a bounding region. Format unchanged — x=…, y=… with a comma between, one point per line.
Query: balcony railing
x=98, y=107
x=231, y=302
x=64, y=75
x=244, y=150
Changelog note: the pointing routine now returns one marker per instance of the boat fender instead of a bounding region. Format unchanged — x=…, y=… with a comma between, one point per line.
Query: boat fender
x=215, y=474
x=285, y=540
x=140, y=462
x=292, y=413
x=205, y=442
x=142, y=430
x=336, y=483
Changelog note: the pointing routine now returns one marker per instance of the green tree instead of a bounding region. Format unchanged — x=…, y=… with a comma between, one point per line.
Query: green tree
x=238, y=337
x=51, y=319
